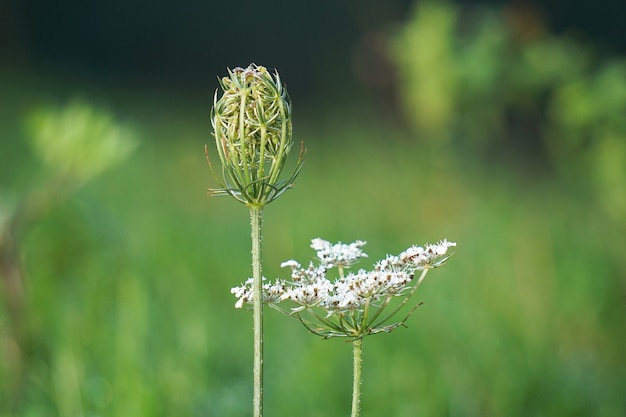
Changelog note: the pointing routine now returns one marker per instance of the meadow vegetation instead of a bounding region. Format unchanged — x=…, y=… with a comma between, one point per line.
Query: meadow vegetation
x=127, y=308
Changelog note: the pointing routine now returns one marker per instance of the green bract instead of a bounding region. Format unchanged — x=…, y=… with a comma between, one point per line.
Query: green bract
x=252, y=128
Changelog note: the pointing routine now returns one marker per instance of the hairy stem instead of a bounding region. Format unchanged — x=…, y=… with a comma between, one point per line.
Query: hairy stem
x=256, y=225
x=357, y=347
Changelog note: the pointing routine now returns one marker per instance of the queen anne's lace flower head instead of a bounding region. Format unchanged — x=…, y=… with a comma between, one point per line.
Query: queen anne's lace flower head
x=353, y=303
x=308, y=294
x=272, y=292
x=429, y=256
x=338, y=254
x=304, y=276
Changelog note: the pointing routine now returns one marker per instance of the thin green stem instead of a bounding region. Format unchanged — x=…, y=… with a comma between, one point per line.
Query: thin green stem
x=322, y=320
x=362, y=325
x=379, y=310
x=256, y=226
x=406, y=299
x=357, y=348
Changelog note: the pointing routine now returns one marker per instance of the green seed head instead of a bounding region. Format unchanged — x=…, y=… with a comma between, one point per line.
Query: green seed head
x=252, y=128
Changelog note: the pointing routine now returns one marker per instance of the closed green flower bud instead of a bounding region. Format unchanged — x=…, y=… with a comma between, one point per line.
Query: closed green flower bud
x=252, y=128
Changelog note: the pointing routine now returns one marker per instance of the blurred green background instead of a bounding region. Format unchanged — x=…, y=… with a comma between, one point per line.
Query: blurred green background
x=498, y=125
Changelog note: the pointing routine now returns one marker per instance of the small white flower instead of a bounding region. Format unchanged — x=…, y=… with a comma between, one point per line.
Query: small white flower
x=414, y=252
x=349, y=301
x=430, y=256
x=309, y=275
x=308, y=294
x=244, y=293
x=272, y=292
x=442, y=247
x=390, y=263
x=339, y=254
x=290, y=263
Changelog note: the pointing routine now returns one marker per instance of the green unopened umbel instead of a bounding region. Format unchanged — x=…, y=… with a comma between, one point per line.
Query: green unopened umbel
x=252, y=128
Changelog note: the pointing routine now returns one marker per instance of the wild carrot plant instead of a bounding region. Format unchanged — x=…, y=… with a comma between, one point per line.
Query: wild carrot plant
x=253, y=134
x=352, y=305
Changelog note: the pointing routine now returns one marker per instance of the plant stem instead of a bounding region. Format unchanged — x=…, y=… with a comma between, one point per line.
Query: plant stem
x=406, y=299
x=256, y=225
x=357, y=348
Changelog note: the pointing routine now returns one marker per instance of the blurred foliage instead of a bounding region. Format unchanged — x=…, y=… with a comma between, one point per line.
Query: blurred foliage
x=487, y=80
x=127, y=303
x=130, y=308
x=73, y=144
x=78, y=140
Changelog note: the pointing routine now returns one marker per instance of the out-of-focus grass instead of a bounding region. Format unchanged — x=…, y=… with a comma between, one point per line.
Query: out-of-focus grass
x=129, y=284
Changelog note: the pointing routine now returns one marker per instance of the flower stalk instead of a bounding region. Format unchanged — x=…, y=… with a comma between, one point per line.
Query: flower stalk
x=357, y=352
x=253, y=135
x=256, y=220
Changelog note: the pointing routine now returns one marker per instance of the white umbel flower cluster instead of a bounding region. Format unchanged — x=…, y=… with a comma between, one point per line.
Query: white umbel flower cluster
x=272, y=292
x=338, y=254
x=351, y=303
x=356, y=290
